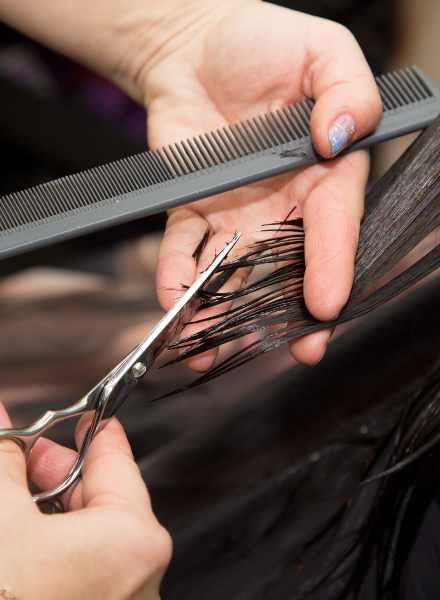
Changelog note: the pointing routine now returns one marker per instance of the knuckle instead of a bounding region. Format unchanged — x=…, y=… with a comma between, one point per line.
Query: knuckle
x=370, y=96
x=355, y=164
x=10, y=448
x=13, y=461
x=155, y=546
x=163, y=548
x=329, y=197
x=342, y=30
x=373, y=101
x=338, y=32
x=152, y=548
x=145, y=547
x=376, y=103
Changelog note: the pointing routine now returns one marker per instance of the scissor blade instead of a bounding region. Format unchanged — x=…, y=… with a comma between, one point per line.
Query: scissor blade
x=149, y=344
x=192, y=291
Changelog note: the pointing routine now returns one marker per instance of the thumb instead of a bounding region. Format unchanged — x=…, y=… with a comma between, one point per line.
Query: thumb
x=13, y=480
x=110, y=475
x=338, y=78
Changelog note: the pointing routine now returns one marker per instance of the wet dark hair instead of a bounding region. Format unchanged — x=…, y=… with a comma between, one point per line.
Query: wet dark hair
x=376, y=529
x=402, y=208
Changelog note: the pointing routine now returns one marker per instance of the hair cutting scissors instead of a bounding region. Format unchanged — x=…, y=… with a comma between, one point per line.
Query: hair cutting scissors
x=110, y=393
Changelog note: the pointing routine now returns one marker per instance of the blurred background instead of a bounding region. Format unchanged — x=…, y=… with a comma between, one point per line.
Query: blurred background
x=68, y=313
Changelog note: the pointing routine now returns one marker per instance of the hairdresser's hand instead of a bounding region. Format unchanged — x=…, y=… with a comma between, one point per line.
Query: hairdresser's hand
x=200, y=65
x=110, y=547
x=240, y=59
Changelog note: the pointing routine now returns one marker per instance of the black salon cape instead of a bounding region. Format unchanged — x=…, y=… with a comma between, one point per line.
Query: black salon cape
x=248, y=482
x=421, y=579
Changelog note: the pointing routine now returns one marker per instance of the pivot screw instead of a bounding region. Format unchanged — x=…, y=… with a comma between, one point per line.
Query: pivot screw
x=138, y=370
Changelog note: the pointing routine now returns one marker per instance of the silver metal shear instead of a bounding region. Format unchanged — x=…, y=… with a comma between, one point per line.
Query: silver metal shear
x=110, y=393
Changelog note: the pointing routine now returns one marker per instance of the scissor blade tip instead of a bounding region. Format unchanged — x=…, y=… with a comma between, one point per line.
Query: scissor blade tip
x=237, y=235
x=232, y=242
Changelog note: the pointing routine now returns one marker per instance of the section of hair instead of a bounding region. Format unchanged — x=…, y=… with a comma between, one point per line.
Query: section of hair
x=402, y=208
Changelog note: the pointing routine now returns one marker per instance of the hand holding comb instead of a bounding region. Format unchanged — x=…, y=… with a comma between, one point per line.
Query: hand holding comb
x=154, y=181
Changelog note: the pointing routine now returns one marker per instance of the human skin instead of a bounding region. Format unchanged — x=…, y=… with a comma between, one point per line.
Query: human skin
x=199, y=65
x=110, y=546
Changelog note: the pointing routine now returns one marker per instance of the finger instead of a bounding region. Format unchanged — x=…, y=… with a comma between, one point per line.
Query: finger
x=110, y=476
x=49, y=463
x=310, y=349
x=171, y=119
x=203, y=362
x=12, y=468
x=348, y=104
x=332, y=214
x=176, y=266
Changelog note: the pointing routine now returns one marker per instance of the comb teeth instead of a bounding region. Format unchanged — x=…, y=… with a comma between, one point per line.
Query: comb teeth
x=152, y=170
x=402, y=88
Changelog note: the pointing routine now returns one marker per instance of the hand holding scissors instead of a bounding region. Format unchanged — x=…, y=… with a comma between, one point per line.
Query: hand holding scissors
x=111, y=392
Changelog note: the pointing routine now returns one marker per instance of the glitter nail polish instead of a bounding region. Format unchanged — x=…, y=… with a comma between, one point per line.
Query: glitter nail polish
x=341, y=133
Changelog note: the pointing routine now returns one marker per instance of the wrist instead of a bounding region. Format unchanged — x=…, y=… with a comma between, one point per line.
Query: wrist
x=121, y=40
x=162, y=30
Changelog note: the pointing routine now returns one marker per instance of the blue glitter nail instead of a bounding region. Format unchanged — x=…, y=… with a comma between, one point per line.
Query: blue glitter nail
x=341, y=133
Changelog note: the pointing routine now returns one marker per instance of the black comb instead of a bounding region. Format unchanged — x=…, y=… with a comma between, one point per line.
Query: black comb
x=153, y=181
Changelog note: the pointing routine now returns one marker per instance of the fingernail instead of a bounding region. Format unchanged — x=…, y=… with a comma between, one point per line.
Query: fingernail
x=341, y=133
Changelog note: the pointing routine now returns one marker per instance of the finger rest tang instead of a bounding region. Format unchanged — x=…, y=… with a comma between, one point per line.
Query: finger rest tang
x=27, y=436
